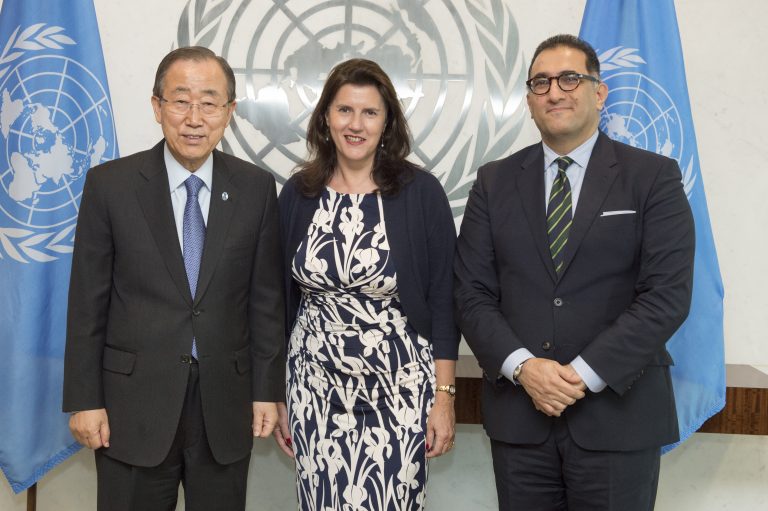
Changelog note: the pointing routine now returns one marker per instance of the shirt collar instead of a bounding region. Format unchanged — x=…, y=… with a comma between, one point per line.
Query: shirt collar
x=178, y=174
x=580, y=155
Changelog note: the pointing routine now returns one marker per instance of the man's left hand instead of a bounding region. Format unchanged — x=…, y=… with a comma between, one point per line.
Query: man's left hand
x=573, y=377
x=264, y=418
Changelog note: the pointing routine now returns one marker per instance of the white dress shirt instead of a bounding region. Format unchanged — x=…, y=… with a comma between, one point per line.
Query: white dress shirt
x=176, y=177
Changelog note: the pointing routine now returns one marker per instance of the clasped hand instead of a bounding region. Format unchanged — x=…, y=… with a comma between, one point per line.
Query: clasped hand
x=552, y=387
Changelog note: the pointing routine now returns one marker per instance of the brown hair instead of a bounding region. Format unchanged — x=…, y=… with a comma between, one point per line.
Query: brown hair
x=390, y=167
x=197, y=54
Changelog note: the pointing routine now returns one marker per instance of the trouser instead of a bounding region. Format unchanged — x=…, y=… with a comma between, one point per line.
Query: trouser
x=558, y=475
x=208, y=486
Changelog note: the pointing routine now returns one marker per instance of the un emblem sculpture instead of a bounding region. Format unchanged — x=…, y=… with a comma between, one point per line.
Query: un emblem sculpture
x=457, y=68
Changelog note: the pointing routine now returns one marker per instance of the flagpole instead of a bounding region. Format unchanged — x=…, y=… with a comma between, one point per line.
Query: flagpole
x=32, y=497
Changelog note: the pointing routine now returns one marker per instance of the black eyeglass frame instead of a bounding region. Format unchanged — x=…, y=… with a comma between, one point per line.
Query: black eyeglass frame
x=549, y=79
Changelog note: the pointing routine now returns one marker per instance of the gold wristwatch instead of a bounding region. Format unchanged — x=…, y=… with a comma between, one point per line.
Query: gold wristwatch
x=450, y=389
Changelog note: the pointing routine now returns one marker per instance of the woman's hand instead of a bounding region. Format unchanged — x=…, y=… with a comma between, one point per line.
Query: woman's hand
x=441, y=426
x=282, y=432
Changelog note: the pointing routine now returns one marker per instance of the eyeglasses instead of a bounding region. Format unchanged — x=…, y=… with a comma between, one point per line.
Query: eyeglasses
x=182, y=107
x=567, y=82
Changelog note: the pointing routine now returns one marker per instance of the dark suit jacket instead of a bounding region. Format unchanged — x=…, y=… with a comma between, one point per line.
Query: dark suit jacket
x=131, y=317
x=421, y=236
x=624, y=290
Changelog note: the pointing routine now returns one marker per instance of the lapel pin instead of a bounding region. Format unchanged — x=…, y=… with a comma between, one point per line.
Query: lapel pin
x=224, y=196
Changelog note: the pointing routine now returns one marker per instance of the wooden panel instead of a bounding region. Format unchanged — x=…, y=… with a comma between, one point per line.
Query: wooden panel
x=468, y=392
x=745, y=412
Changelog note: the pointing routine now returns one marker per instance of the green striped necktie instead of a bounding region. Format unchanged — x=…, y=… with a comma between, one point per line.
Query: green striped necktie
x=559, y=213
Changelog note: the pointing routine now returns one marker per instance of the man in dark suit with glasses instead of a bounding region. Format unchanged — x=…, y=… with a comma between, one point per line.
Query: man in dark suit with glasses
x=574, y=267
x=175, y=352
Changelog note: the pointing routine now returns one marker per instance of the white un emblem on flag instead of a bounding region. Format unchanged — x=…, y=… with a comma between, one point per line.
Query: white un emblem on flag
x=640, y=112
x=55, y=123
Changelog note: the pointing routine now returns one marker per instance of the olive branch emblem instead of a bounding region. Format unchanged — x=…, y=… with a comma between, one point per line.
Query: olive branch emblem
x=202, y=25
x=501, y=117
x=619, y=57
x=32, y=38
x=24, y=245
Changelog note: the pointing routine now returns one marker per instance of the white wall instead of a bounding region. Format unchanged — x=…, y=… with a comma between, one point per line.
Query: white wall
x=722, y=41
x=724, y=52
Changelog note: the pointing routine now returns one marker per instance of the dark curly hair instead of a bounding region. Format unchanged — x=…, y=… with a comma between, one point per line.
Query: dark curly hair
x=390, y=168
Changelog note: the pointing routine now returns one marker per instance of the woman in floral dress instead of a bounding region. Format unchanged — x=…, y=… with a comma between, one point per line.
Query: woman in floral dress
x=368, y=244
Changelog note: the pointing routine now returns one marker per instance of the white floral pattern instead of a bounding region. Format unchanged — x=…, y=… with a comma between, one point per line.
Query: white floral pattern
x=360, y=379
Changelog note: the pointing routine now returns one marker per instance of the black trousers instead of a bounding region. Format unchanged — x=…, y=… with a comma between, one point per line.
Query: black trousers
x=558, y=475
x=208, y=486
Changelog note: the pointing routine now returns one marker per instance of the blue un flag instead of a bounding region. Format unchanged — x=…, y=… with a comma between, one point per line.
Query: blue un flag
x=55, y=123
x=641, y=61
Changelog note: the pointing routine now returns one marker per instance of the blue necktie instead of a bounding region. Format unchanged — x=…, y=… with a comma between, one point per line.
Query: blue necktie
x=194, y=237
x=559, y=214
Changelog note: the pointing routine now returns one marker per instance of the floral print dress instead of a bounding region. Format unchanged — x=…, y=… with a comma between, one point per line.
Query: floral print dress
x=360, y=379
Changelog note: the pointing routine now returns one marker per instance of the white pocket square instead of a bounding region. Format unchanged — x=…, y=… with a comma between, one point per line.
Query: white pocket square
x=619, y=212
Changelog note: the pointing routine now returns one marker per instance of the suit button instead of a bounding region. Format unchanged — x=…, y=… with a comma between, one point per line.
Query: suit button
x=546, y=345
x=558, y=302
x=186, y=359
x=195, y=312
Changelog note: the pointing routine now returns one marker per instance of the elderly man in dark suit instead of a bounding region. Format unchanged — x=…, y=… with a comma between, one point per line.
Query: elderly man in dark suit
x=574, y=267
x=175, y=347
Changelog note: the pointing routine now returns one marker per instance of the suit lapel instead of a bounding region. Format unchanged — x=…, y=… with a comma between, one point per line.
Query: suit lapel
x=598, y=178
x=154, y=196
x=531, y=192
x=219, y=216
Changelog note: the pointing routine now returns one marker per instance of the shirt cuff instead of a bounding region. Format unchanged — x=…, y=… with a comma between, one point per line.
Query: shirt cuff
x=517, y=357
x=588, y=375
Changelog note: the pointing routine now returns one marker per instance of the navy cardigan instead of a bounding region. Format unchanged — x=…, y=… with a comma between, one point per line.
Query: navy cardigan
x=421, y=236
